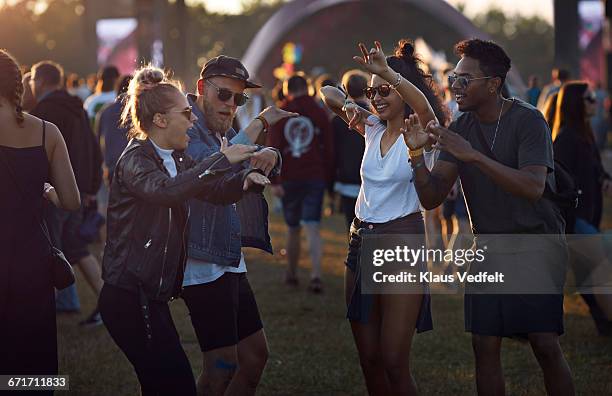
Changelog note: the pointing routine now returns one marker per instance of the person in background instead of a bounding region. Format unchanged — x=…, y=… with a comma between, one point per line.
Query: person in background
x=558, y=78
x=550, y=109
x=29, y=101
x=325, y=80
x=576, y=149
x=349, y=147
x=32, y=152
x=533, y=93
x=277, y=93
x=307, y=146
x=76, y=86
x=599, y=120
x=104, y=92
x=66, y=112
x=113, y=135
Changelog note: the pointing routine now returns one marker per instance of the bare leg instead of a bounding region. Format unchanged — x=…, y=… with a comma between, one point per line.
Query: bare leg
x=91, y=271
x=489, y=374
x=220, y=365
x=400, y=313
x=293, y=251
x=557, y=374
x=313, y=234
x=252, y=358
x=367, y=340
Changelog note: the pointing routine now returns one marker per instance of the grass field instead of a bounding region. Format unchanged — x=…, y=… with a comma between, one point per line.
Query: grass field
x=311, y=349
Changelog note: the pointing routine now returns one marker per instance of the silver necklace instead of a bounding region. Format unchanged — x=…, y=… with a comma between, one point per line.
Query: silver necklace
x=498, y=119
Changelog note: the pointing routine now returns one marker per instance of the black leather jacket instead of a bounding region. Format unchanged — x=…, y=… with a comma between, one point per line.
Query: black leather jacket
x=148, y=215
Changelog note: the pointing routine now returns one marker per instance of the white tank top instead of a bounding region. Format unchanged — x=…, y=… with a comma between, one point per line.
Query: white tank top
x=387, y=190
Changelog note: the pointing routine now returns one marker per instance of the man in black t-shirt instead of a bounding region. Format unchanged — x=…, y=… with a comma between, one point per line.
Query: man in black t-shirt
x=503, y=173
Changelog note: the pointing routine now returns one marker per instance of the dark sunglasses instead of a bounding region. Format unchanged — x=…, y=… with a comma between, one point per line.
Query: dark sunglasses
x=383, y=90
x=225, y=94
x=462, y=82
x=186, y=112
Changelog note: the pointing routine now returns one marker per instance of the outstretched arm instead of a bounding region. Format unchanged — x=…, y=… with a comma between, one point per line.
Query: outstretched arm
x=271, y=115
x=355, y=116
x=375, y=62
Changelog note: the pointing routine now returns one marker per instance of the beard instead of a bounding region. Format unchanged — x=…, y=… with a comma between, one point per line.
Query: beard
x=214, y=122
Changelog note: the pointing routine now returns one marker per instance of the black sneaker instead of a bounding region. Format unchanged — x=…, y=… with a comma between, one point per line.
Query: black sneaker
x=291, y=280
x=92, y=320
x=315, y=286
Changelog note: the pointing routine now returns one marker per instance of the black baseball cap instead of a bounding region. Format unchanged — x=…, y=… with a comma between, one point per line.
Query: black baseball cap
x=228, y=67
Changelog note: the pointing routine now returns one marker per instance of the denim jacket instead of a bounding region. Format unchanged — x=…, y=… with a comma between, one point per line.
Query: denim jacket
x=218, y=232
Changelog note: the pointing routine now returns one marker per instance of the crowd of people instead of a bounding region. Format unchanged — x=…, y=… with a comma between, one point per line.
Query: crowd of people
x=180, y=187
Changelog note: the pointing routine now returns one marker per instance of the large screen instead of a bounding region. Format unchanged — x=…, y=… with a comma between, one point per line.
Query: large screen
x=117, y=43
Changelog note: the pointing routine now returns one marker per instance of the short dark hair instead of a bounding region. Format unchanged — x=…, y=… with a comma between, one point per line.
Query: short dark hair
x=355, y=82
x=107, y=78
x=296, y=83
x=563, y=74
x=492, y=58
x=50, y=72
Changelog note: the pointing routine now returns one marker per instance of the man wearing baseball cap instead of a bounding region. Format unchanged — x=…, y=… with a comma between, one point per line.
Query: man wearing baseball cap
x=221, y=304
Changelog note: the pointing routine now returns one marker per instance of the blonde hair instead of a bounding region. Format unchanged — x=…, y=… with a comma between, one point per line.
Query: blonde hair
x=150, y=92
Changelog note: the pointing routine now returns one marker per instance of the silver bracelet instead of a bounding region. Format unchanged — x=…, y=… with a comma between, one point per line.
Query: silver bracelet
x=398, y=82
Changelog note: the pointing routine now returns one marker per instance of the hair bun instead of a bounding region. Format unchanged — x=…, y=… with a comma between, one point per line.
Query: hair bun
x=404, y=49
x=149, y=77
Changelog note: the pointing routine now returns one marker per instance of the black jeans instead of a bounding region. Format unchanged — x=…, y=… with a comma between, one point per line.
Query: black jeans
x=160, y=364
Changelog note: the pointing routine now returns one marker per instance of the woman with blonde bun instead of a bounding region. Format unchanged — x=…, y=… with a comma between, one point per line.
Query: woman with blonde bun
x=144, y=258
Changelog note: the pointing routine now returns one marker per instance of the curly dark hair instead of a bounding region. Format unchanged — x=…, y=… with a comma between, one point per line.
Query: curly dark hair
x=492, y=58
x=11, y=87
x=408, y=64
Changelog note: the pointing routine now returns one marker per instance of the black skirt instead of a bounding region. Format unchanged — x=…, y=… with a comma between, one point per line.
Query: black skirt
x=360, y=304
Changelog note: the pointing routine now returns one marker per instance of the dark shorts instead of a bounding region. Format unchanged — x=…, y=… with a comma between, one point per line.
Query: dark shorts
x=303, y=202
x=64, y=227
x=223, y=312
x=360, y=304
x=514, y=307
x=510, y=315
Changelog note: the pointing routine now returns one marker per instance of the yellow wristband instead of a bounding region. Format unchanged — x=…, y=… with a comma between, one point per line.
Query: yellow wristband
x=415, y=153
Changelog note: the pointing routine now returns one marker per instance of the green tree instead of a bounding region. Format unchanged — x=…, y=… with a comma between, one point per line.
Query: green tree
x=529, y=41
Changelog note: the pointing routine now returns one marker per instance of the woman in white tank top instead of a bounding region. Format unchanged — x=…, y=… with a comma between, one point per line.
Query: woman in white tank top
x=383, y=324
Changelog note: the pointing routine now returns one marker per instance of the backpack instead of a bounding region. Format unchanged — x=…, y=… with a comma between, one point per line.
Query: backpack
x=565, y=195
